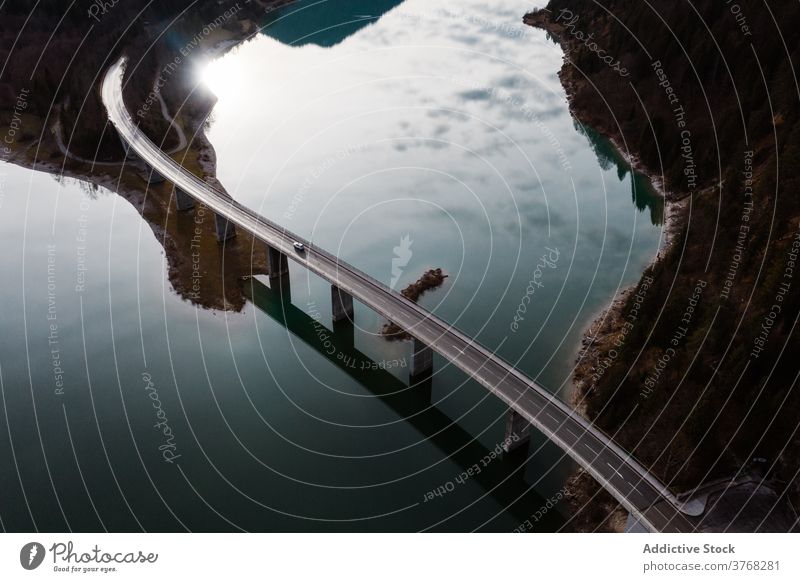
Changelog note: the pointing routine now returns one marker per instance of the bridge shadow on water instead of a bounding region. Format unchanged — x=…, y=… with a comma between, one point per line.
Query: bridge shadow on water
x=503, y=478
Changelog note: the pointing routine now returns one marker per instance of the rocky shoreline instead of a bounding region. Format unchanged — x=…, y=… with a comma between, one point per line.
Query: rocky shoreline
x=199, y=269
x=599, y=511
x=727, y=230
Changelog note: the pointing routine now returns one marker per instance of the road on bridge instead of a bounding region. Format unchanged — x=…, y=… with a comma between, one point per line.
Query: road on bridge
x=616, y=470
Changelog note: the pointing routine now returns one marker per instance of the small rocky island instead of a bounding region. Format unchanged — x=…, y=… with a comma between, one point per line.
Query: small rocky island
x=431, y=279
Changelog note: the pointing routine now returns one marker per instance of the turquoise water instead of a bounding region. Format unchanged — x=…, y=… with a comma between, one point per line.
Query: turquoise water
x=446, y=130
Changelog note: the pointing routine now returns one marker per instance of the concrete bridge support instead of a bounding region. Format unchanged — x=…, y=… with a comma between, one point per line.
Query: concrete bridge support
x=278, y=271
x=182, y=200
x=345, y=333
x=421, y=360
x=225, y=229
x=277, y=264
x=518, y=431
x=129, y=153
x=152, y=177
x=342, y=308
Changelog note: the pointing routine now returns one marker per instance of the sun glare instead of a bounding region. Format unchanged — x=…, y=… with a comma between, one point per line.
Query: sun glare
x=222, y=76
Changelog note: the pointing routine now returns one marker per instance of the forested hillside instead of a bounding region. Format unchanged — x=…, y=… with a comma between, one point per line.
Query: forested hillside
x=704, y=94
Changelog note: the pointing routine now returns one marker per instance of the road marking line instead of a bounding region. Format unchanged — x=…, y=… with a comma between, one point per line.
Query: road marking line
x=590, y=448
x=635, y=488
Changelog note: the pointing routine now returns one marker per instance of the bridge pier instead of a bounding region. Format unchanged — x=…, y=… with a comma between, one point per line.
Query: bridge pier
x=277, y=264
x=518, y=431
x=421, y=360
x=129, y=153
x=151, y=176
x=345, y=333
x=342, y=308
x=225, y=229
x=182, y=200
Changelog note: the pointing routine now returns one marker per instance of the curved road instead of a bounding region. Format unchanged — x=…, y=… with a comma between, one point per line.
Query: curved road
x=619, y=473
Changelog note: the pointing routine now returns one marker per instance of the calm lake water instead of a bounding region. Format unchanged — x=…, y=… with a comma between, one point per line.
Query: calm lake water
x=434, y=136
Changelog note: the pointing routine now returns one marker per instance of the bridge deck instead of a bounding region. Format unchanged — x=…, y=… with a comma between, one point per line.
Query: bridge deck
x=626, y=479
